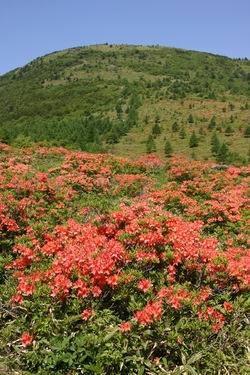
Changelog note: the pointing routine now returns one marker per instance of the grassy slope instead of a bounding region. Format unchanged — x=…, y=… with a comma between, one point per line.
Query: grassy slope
x=171, y=84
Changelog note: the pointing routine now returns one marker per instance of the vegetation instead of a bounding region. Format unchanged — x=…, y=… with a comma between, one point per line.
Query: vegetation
x=116, y=267
x=124, y=213
x=109, y=98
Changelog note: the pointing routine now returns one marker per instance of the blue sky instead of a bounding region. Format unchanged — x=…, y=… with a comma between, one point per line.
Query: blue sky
x=33, y=28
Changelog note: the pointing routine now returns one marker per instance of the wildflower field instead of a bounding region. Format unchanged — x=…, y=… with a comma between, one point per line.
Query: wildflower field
x=112, y=266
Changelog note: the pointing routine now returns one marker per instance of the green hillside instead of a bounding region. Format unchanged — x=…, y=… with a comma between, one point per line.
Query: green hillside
x=130, y=100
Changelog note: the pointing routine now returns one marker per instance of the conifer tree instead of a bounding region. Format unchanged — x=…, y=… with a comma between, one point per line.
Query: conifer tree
x=168, y=149
x=222, y=154
x=247, y=132
x=193, y=142
x=212, y=123
x=156, y=130
x=150, y=144
x=175, y=127
x=182, y=133
x=215, y=143
x=229, y=130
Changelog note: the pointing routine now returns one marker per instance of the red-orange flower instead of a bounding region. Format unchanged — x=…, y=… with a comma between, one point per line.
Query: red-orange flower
x=86, y=314
x=144, y=285
x=125, y=326
x=228, y=306
x=27, y=339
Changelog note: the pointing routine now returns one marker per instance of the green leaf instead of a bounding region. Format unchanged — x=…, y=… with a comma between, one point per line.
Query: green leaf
x=66, y=357
x=194, y=358
x=147, y=362
x=142, y=368
x=164, y=361
x=110, y=334
x=144, y=344
x=191, y=370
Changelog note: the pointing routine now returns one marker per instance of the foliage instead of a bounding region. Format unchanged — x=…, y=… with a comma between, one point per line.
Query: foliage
x=150, y=144
x=101, y=99
x=102, y=272
x=193, y=142
x=168, y=149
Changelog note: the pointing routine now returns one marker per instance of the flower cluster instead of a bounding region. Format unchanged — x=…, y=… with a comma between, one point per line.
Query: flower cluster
x=150, y=254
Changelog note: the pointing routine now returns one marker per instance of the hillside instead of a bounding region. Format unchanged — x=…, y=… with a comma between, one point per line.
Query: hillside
x=130, y=100
x=109, y=266
x=124, y=249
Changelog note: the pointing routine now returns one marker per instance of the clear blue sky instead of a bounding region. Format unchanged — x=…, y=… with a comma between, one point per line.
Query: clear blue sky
x=32, y=28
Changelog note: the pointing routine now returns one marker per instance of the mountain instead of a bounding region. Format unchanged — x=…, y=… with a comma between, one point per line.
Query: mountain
x=130, y=100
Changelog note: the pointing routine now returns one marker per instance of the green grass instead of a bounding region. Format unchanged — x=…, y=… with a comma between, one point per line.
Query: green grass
x=170, y=83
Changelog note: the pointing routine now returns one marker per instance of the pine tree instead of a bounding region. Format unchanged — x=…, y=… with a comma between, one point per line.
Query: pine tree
x=247, y=132
x=182, y=133
x=156, y=130
x=202, y=132
x=229, y=130
x=215, y=144
x=175, y=127
x=119, y=111
x=150, y=144
x=212, y=124
x=222, y=154
x=168, y=149
x=193, y=142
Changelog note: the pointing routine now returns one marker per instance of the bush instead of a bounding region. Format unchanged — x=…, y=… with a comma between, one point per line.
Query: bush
x=102, y=273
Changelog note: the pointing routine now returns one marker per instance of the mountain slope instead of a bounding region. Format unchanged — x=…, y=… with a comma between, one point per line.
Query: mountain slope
x=109, y=97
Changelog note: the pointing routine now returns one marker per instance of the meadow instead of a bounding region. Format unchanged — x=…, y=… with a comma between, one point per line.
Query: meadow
x=110, y=265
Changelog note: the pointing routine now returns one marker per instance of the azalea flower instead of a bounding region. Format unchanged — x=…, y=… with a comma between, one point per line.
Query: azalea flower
x=27, y=339
x=228, y=306
x=125, y=326
x=86, y=314
x=144, y=285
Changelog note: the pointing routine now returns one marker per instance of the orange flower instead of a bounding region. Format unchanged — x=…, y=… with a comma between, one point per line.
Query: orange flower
x=228, y=306
x=86, y=314
x=144, y=285
x=125, y=326
x=27, y=339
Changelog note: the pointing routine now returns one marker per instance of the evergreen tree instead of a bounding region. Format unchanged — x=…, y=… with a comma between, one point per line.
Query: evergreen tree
x=229, y=130
x=111, y=138
x=247, y=132
x=193, y=142
x=175, y=127
x=119, y=111
x=168, y=149
x=215, y=143
x=212, y=123
x=156, y=130
x=4, y=136
x=150, y=144
x=222, y=154
x=182, y=133
x=190, y=119
x=202, y=132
